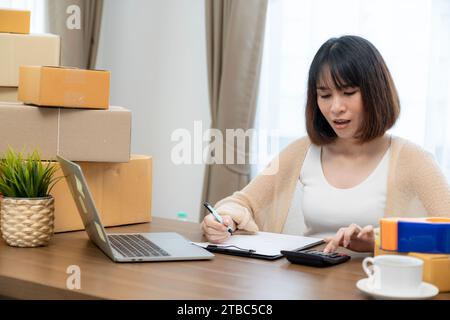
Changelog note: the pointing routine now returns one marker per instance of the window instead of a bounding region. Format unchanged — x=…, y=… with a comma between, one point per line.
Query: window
x=413, y=36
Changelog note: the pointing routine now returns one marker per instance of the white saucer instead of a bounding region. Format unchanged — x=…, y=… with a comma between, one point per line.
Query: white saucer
x=427, y=291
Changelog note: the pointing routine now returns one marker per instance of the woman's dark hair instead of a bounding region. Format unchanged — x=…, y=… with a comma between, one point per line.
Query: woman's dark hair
x=352, y=61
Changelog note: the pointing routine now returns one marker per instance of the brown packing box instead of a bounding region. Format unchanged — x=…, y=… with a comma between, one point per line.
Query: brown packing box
x=21, y=49
x=64, y=87
x=122, y=193
x=78, y=135
x=15, y=21
x=436, y=267
x=8, y=94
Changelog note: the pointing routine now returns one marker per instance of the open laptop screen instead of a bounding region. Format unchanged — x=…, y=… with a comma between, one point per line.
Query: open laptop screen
x=85, y=204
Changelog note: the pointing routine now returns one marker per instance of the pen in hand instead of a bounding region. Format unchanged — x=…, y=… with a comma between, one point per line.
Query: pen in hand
x=216, y=216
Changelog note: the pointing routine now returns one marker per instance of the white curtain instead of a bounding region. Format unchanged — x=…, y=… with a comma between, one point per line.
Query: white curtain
x=413, y=36
x=37, y=8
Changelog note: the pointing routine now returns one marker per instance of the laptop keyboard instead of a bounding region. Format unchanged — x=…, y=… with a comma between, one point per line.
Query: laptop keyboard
x=135, y=245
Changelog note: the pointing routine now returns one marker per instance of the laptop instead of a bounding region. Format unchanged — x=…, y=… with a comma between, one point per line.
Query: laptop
x=126, y=247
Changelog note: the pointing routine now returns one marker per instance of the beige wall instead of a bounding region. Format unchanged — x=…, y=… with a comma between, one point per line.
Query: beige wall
x=155, y=51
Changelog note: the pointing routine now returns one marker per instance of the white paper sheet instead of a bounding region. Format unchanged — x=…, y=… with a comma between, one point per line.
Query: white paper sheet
x=265, y=243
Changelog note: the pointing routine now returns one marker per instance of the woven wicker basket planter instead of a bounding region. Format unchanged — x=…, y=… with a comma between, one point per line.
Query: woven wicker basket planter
x=27, y=222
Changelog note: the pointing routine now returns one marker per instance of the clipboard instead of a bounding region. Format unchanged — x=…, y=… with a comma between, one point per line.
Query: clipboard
x=263, y=245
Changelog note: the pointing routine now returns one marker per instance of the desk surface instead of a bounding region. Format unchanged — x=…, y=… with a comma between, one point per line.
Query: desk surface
x=40, y=273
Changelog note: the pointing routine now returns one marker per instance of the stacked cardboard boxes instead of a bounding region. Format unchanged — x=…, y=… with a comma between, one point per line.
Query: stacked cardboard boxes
x=66, y=111
x=19, y=47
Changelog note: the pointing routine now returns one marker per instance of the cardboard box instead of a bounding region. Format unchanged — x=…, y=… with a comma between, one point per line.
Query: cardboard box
x=20, y=49
x=15, y=21
x=436, y=267
x=78, y=135
x=122, y=193
x=8, y=94
x=64, y=87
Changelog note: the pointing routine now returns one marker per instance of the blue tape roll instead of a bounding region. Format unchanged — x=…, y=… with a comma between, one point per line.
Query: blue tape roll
x=423, y=237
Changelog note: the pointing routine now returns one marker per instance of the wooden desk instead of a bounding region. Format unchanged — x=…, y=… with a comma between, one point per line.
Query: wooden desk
x=40, y=273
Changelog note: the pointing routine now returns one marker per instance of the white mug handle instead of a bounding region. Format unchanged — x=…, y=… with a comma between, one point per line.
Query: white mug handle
x=371, y=271
x=365, y=264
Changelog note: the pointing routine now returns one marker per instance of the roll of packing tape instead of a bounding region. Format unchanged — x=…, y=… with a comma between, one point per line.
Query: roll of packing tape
x=427, y=235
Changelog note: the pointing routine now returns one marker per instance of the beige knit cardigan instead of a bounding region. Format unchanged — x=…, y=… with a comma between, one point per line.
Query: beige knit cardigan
x=415, y=187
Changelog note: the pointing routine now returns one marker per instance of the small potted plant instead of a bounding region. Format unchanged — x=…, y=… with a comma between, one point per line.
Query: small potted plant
x=27, y=209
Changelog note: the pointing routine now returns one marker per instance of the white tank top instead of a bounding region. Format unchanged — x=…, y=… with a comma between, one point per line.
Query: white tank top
x=320, y=209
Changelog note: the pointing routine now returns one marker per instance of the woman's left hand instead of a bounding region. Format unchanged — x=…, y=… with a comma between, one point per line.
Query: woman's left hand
x=353, y=237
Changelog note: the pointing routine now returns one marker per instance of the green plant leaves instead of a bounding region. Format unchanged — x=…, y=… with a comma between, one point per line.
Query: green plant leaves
x=26, y=177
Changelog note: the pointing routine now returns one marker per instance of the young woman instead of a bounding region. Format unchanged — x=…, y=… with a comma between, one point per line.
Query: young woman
x=348, y=173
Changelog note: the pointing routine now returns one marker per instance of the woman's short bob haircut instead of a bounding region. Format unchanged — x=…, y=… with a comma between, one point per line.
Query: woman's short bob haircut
x=352, y=62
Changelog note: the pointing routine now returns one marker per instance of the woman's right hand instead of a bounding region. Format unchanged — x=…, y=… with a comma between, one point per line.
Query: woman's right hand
x=216, y=232
x=354, y=238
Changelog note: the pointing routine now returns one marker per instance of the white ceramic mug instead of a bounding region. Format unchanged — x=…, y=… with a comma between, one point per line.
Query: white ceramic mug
x=396, y=275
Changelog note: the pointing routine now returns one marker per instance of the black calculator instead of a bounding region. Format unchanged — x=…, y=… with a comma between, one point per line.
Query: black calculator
x=315, y=258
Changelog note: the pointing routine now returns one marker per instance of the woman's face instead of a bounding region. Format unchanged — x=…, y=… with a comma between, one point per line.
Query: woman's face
x=343, y=108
